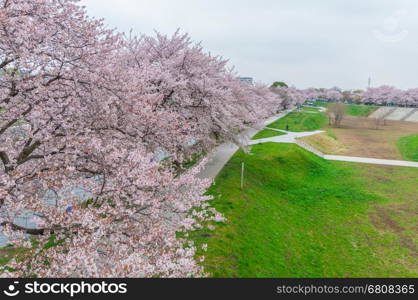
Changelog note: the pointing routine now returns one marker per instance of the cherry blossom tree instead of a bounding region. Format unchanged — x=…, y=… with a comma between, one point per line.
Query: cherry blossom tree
x=385, y=95
x=381, y=95
x=194, y=89
x=309, y=94
x=329, y=94
x=84, y=107
x=411, y=97
x=290, y=96
x=66, y=121
x=356, y=96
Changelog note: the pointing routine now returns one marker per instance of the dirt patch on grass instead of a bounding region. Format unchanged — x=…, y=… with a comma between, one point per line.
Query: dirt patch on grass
x=383, y=179
x=381, y=218
x=358, y=136
x=408, y=243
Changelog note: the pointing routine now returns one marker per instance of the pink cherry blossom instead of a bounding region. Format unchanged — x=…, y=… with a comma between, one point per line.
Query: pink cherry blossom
x=85, y=108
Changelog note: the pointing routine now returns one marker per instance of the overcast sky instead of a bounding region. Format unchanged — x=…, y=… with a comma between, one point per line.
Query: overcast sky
x=302, y=42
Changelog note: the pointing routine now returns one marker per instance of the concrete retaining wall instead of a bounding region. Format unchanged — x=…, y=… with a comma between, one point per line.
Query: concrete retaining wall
x=396, y=113
x=399, y=114
x=413, y=117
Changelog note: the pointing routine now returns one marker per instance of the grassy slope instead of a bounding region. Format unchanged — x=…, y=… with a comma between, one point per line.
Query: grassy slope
x=266, y=133
x=408, y=146
x=354, y=109
x=317, y=103
x=312, y=109
x=359, y=110
x=302, y=216
x=299, y=121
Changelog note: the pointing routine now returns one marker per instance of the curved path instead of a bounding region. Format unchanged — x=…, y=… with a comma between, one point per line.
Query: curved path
x=373, y=161
x=292, y=137
x=289, y=137
x=222, y=153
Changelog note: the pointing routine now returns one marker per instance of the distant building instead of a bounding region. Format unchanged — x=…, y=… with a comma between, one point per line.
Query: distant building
x=246, y=80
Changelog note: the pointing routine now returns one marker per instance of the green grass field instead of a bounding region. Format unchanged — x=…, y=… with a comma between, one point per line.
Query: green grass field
x=312, y=109
x=302, y=216
x=359, y=110
x=408, y=146
x=354, y=109
x=266, y=133
x=300, y=121
x=321, y=104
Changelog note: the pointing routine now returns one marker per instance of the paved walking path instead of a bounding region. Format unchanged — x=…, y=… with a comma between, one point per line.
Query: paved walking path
x=224, y=152
x=290, y=137
x=375, y=161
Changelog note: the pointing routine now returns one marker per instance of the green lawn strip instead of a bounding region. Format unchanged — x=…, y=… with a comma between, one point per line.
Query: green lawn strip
x=354, y=109
x=266, y=133
x=359, y=110
x=321, y=104
x=8, y=252
x=408, y=146
x=300, y=121
x=311, y=109
x=302, y=216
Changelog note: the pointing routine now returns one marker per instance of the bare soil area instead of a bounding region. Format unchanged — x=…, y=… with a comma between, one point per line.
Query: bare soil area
x=359, y=136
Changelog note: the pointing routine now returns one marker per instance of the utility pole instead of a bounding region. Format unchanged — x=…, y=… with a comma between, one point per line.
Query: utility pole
x=370, y=82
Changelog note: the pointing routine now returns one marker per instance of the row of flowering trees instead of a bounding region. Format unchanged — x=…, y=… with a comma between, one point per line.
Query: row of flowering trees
x=300, y=96
x=385, y=95
x=291, y=96
x=84, y=106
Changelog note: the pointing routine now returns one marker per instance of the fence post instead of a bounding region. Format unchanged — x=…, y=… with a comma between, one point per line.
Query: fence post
x=242, y=176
